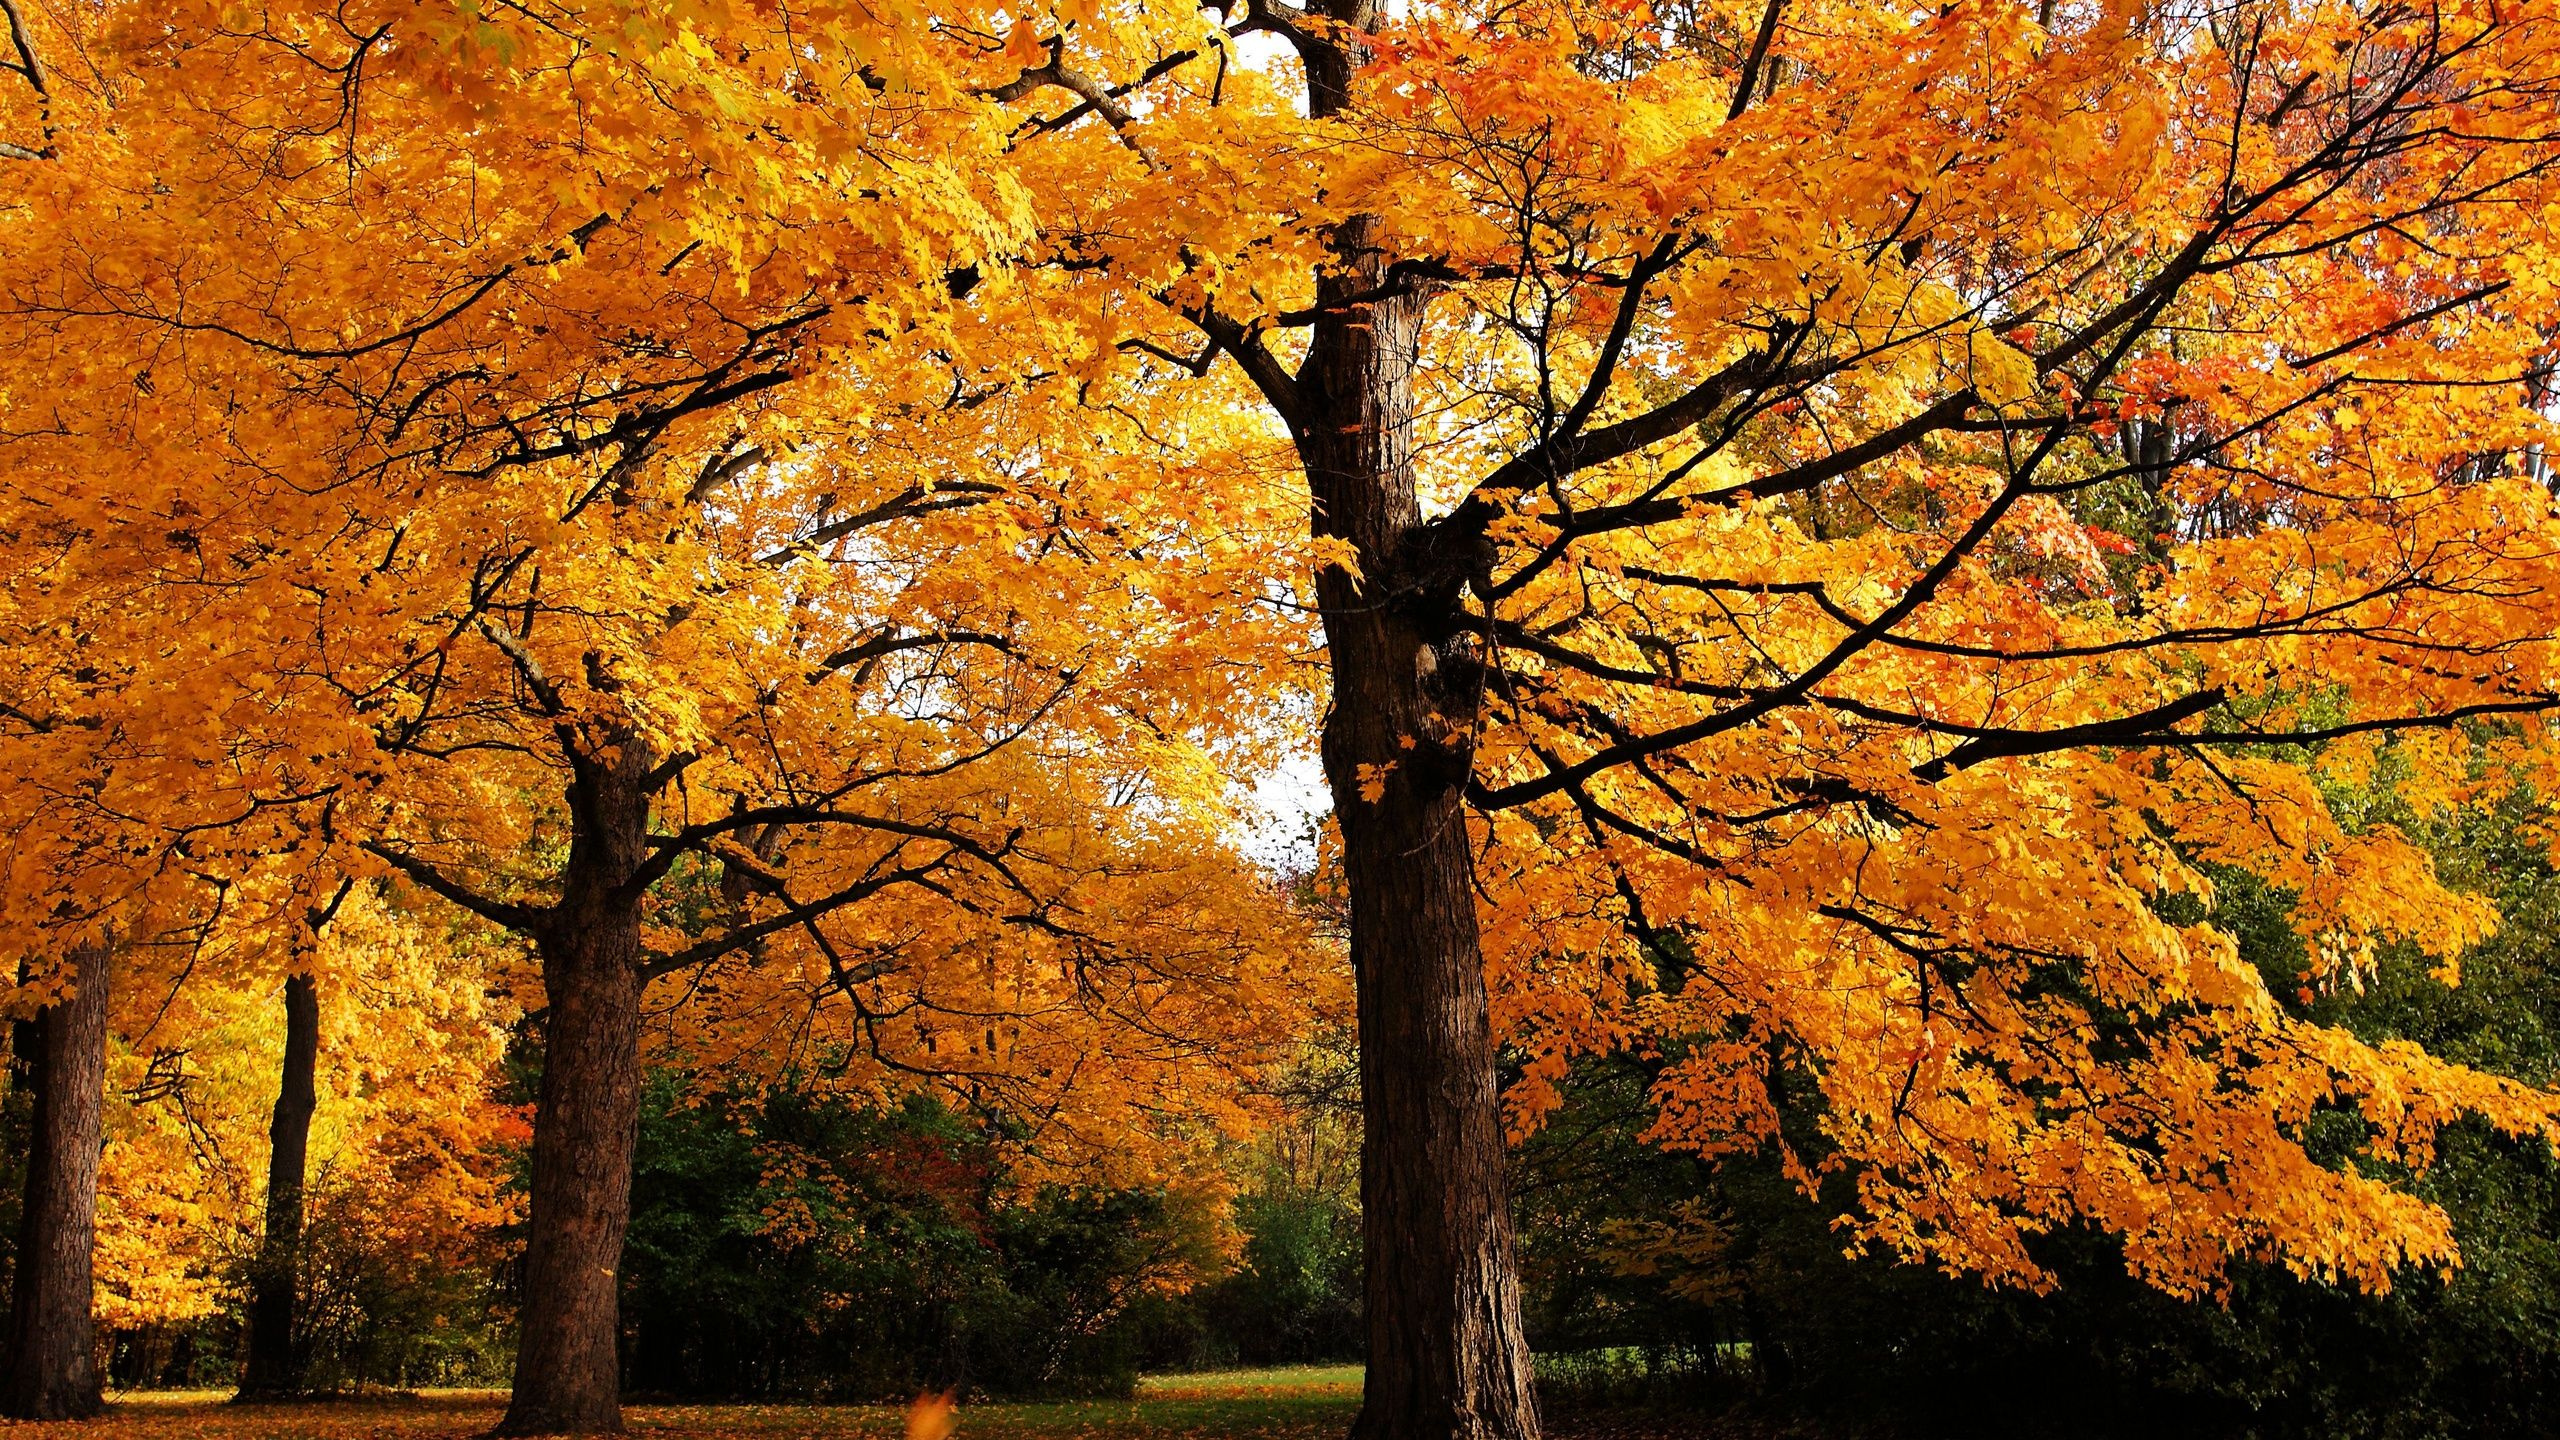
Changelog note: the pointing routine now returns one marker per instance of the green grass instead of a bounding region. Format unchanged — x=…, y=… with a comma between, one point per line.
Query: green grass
x=1306, y=1380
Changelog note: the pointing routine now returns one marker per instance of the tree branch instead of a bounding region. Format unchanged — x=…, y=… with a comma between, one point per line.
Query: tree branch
x=523, y=919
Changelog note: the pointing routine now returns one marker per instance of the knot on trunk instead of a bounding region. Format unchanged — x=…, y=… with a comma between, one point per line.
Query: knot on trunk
x=1450, y=677
x=1441, y=562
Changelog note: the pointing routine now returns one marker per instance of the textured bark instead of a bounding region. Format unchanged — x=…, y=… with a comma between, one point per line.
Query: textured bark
x=53, y=1372
x=1447, y=1355
x=275, y=1342
x=587, y=1117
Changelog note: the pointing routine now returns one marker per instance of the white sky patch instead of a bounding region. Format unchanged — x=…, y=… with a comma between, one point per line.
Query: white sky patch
x=1280, y=812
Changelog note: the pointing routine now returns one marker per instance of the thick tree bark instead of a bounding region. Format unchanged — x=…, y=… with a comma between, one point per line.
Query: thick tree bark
x=275, y=1343
x=53, y=1372
x=1447, y=1355
x=587, y=1117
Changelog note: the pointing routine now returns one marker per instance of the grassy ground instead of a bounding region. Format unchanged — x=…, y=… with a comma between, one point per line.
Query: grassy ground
x=1291, y=1404
x=1299, y=1403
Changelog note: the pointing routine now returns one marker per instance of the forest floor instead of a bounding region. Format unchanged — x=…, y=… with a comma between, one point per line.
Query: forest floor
x=1303, y=1403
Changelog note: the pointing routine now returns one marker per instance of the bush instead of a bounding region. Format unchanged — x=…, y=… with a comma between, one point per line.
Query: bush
x=794, y=1244
x=1293, y=1297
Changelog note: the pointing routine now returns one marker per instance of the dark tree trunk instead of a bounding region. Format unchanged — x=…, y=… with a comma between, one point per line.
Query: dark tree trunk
x=53, y=1370
x=1447, y=1355
x=275, y=1342
x=587, y=1117
x=17, y=1137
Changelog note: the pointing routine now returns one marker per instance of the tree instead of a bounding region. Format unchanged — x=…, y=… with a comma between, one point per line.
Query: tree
x=1823, y=517
x=1640, y=1250
x=1827, y=514
x=275, y=1363
x=410, y=1158
x=53, y=1373
x=520, y=510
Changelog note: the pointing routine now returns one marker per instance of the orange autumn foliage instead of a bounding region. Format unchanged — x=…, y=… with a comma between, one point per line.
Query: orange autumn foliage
x=411, y=1145
x=1907, y=489
x=1904, y=491
x=645, y=565
x=459, y=456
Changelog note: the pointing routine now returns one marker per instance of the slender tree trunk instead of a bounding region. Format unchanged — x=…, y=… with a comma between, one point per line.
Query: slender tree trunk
x=1447, y=1355
x=275, y=1343
x=53, y=1371
x=587, y=1118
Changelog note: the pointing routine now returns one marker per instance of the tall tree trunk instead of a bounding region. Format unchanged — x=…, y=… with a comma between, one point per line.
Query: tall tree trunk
x=1447, y=1355
x=587, y=1118
x=275, y=1343
x=53, y=1371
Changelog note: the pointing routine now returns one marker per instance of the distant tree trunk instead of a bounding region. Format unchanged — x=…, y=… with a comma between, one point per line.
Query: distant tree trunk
x=275, y=1343
x=587, y=1118
x=1768, y=1353
x=1448, y=1358
x=17, y=1134
x=53, y=1371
